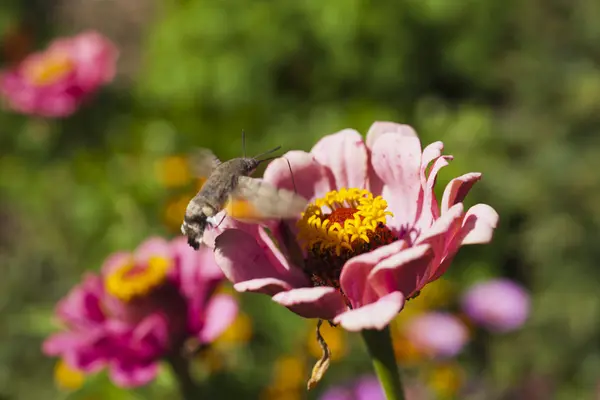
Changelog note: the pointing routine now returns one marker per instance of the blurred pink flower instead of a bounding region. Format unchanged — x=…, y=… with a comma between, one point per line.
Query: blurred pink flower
x=368, y=388
x=348, y=259
x=54, y=82
x=364, y=388
x=143, y=307
x=500, y=305
x=437, y=334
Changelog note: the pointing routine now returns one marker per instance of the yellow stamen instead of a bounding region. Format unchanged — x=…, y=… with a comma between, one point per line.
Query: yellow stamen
x=131, y=280
x=355, y=214
x=339, y=226
x=49, y=69
x=67, y=377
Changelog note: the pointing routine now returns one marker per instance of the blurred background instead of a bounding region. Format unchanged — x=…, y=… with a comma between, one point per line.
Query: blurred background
x=511, y=88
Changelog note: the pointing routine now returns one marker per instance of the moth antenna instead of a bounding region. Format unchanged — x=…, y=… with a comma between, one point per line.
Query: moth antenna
x=266, y=159
x=244, y=143
x=268, y=152
x=291, y=174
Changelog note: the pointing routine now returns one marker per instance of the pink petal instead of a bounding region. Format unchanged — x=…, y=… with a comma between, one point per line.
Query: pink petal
x=401, y=272
x=265, y=242
x=345, y=154
x=278, y=259
x=86, y=359
x=130, y=375
x=223, y=223
x=85, y=350
x=114, y=262
x=429, y=209
x=311, y=179
x=457, y=190
x=152, y=247
x=442, y=229
x=479, y=224
x=380, y=128
x=220, y=313
x=204, y=258
x=268, y=286
x=62, y=342
x=96, y=59
x=242, y=259
x=195, y=272
x=353, y=279
x=151, y=335
x=477, y=227
x=439, y=237
x=430, y=153
x=82, y=306
x=376, y=315
x=375, y=131
x=313, y=302
x=396, y=160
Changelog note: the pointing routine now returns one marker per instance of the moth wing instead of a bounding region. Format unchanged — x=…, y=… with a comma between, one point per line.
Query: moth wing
x=255, y=200
x=203, y=163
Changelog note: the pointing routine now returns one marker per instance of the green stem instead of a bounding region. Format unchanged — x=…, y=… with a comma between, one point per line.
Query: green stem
x=379, y=345
x=181, y=369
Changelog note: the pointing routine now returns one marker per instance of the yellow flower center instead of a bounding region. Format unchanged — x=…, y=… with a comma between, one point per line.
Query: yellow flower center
x=66, y=377
x=48, y=69
x=339, y=226
x=131, y=280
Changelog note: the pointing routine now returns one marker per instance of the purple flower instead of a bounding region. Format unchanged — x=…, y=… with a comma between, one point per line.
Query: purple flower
x=368, y=388
x=500, y=305
x=142, y=307
x=364, y=388
x=437, y=334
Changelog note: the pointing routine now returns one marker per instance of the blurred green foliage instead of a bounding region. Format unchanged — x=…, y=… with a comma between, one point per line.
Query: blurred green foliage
x=512, y=88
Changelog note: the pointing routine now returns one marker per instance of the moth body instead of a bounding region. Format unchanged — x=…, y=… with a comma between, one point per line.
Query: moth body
x=230, y=181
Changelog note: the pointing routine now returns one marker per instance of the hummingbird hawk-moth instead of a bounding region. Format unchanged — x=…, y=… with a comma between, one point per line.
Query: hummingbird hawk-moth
x=229, y=187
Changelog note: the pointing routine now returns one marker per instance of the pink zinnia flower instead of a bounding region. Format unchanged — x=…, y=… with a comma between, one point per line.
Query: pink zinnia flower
x=142, y=308
x=373, y=236
x=54, y=82
x=437, y=334
x=500, y=305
